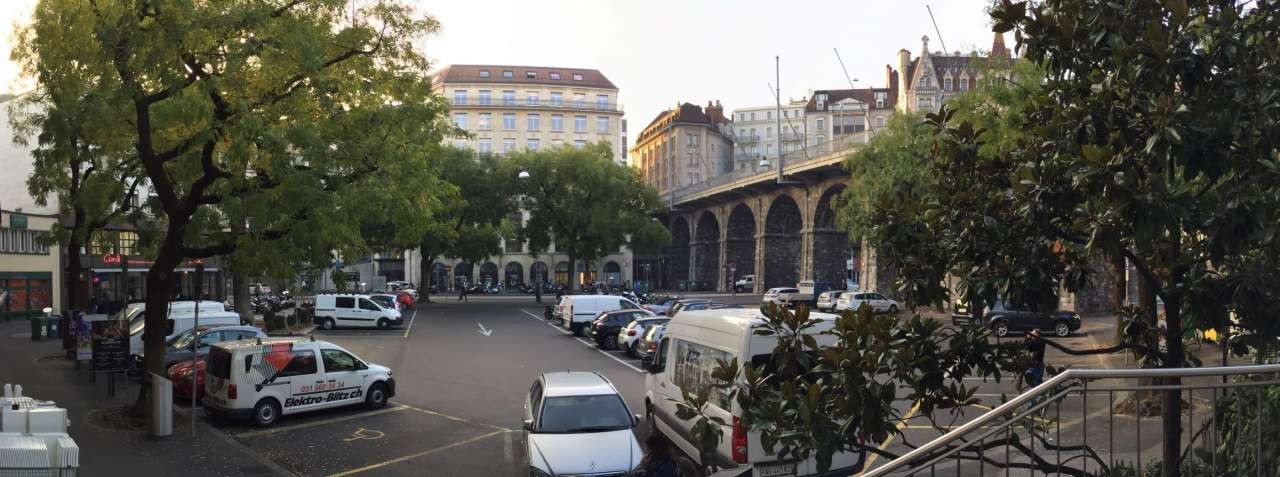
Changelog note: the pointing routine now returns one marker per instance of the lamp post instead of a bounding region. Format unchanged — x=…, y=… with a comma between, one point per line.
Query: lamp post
x=537, y=287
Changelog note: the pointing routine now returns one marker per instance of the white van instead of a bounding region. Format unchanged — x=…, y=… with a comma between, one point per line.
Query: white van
x=687, y=355
x=181, y=318
x=348, y=309
x=263, y=379
x=577, y=311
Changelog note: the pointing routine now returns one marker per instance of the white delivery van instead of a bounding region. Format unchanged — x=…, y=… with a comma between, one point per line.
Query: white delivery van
x=262, y=379
x=577, y=311
x=182, y=317
x=685, y=359
x=349, y=309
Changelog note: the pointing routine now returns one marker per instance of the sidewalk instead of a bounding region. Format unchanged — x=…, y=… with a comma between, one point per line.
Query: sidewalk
x=43, y=374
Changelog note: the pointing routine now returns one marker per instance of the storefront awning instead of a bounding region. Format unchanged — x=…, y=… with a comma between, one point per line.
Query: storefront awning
x=144, y=270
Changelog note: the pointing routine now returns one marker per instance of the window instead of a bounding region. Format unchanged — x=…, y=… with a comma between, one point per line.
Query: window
x=555, y=75
x=508, y=145
x=301, y=362
x=128, y=242
x=557, y=98
x=946, y=84
x=694, y=364
x=369, y=305
x=579, y=100
x=484, y=73
x=579, y=144
x=753, y=133
x=530, y=75
x=338, y=361
x=602, y=124
x=460, y=120
x=509, y=121
x=768, y=115
x=485, y=145
x=742, y=133
x=577, y=76
x=820, y=124
x=531, y=98
x=486, y=97
x=879, y=121
x=344, y=302
x=507, y=74
x=602, y=101
x=579, y=124
x=964, y=83
x=768, y=132
x=532, y=122
x=486, y=122
x=557, y=123
x=588, y=413
x=555, y=143
x=753, y=116
x=509, y=98
x=693, y=140
x=533, y=144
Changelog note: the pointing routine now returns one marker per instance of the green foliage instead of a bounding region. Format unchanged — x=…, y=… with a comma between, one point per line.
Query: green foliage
x=584, y=202
x=470, y=224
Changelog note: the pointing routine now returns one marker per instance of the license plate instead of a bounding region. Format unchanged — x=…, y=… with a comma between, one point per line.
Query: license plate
x=775, y=469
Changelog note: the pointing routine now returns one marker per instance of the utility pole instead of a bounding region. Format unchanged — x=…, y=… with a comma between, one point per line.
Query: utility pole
x=777, y=75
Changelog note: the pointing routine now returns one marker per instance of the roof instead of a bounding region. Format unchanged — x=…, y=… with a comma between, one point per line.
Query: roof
x=541, y=75
x=576, y=383
x=738, y=321
x=687, y=113
x=865, y=95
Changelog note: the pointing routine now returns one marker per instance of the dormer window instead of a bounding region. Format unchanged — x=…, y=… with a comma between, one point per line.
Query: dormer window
x=508, y=74
x=555, y=76
x=530, y=75
x=484, y=73
x=577, y=76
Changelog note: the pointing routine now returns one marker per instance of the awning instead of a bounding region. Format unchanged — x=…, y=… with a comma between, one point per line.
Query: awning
x=144, y=270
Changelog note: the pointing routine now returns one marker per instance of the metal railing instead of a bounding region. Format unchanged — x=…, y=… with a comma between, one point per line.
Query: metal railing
x=809, y=154
x=1226, y=412
x=477, y=101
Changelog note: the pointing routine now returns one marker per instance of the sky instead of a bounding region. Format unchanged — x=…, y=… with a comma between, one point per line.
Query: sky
x=660, y=52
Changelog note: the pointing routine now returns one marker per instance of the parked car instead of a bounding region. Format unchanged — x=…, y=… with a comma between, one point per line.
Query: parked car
x=178, y=348
x=661, y=305
x=878, y=303
x=746, y=283
x=778, y=295
x=649, y=344
x=181, y=318
x=604, y=330
x=806, y=293
x=689, y=351
x=406, y=299
x=334, y=310
x=630, y=336
x=827, y=300
x=386, y=300
x=685, y=303
x=576, y=423
x=577, y=311
x=263, y=379
x=1004, y=317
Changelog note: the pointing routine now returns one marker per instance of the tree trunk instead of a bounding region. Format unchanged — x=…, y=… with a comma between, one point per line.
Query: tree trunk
x=159, y=288
x=424, y=283
x=573, y=275
x=74, y=287
x=239, y=282
x=1119, y=292
x=1171, y=412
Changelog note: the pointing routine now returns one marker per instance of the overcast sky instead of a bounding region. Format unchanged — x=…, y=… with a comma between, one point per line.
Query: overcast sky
x=659, y=52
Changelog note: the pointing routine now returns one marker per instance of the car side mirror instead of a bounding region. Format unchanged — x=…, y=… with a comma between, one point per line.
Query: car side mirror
x=654, y=367
x=528, y=424
x=635, y=419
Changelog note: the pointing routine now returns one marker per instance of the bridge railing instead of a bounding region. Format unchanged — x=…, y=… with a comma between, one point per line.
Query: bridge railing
x=811, y=153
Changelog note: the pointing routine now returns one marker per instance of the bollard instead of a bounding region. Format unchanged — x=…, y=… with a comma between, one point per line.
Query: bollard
x=161, y=406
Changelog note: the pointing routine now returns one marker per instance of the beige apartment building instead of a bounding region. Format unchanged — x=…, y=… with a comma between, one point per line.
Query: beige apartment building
x=683, y=146
x=510, y=108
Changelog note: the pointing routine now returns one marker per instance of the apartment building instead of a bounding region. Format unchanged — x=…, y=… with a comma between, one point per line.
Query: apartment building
x=509, y=108
x=756, y=135
x=684, y=145
x=930, y=79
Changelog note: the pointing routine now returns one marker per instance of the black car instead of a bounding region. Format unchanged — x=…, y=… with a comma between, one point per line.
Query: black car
x=604, y=330
x=1004, y=317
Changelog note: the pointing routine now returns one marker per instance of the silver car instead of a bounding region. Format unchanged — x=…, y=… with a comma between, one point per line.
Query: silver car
x=576, y=423
x=827, y=301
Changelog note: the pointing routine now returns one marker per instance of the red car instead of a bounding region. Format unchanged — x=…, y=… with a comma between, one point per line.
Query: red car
x=405, y=299
x=180, y=374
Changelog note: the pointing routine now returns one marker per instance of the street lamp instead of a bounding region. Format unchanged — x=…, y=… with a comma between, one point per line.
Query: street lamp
x=537, y=286
x=524, y=175
x=764, y=162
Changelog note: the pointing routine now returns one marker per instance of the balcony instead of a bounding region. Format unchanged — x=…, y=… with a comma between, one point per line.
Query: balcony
x=747, y=139
x=473, y=102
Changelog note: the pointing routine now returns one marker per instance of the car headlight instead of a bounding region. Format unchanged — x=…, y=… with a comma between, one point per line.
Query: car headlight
x=536, y=472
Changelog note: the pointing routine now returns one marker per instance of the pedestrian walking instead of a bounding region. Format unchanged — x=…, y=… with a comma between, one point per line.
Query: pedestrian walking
x=1035, y=372
x=462, y=293
x=657, y=461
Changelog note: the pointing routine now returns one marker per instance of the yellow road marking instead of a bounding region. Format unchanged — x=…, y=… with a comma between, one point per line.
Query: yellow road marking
x=902, y=424
x=363, y=433
x=277, y=430
x=414, y=456
x=412, y=316
x=452, y=418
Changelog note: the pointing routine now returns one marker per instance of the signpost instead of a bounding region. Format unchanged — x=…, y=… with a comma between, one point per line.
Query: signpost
x=733, y=275
x=195, y=342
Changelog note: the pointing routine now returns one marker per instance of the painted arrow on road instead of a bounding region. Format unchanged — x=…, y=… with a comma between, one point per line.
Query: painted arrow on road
x=484, y=331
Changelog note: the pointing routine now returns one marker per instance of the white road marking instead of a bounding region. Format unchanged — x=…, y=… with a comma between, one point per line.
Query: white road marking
x=484, y=331
x=506, y=448
x=409, y=328
x=276, y=430
x=413, y=456
x=584, y=342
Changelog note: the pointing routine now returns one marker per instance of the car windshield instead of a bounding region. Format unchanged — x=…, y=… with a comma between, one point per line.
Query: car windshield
x=577, y=414
x=384, y=300
x=182, y=341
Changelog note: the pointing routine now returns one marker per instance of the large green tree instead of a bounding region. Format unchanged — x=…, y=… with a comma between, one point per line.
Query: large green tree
x=295, y=117
x=584, y=203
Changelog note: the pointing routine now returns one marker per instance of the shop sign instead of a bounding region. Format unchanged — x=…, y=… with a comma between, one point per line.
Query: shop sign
x=17, y=221
x=112, y=259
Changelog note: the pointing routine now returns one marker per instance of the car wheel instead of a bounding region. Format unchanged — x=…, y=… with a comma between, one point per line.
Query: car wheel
x=377, y=397
x=328, y=324
x=610, y=342
x=1001, y=328
x=1061, y=329
x=648, y=418
x=383, y=323
x=577, y=330
x=266, y=412
x=893, y=309
x=631, y=350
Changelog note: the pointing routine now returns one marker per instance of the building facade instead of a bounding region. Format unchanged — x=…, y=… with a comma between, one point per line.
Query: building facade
x=30, y=269
x=930, y=79
x=510, y=108
x=756, y=133
x=837, y=116
x=684, y=146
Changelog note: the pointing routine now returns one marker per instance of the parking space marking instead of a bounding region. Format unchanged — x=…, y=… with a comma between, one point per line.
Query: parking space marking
x=322, y=422
x=366, y=434
x=414, y=456
x=412, y=316
x=451, y=418
x=901, y=425
x=584, y=342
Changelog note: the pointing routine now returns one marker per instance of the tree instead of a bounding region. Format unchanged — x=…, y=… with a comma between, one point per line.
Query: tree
x=584, y=203
x=471, y=225
x=296, y=117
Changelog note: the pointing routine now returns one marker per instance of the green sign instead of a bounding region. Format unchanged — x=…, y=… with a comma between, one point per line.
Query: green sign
x=17, y=221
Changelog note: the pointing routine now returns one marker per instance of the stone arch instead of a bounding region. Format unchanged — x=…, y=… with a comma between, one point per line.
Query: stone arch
x=538, y=273
x=562, y=273
x=488, y=274
x=831, y=247
x=782, y=243
x=462, y=275
x=439, y=278
x=706, y=251
x=612, y=273
x=513, y=274
x=678, y=258
x=740, y=240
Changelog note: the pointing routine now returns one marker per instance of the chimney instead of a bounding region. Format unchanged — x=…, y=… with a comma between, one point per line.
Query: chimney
x=904, y=83
x=715, y=112
x=888, y=75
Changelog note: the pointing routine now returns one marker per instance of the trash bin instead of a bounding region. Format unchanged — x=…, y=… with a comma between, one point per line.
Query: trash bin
x=161, y=406
x=37, y=328
x=51, y=328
